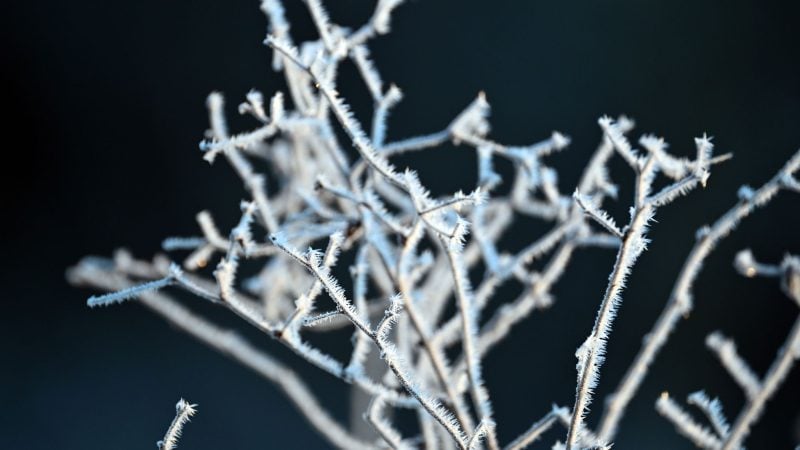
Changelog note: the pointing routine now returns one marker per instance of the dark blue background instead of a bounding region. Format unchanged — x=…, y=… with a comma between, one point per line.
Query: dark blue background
x=106, y=107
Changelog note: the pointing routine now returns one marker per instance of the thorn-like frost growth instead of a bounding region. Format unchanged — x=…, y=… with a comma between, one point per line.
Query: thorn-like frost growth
x=183, y=412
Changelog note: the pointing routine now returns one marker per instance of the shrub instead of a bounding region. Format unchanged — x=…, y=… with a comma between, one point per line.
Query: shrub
x=412, y=252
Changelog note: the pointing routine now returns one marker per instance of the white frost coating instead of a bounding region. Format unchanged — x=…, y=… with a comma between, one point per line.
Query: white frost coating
x=128, y=294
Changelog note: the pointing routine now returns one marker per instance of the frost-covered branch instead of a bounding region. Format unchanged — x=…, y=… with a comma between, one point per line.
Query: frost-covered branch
x=738, y=369
x=698, y=434
x=538, y=428
x=591, y=353
x=712, y=408
x=183, y=412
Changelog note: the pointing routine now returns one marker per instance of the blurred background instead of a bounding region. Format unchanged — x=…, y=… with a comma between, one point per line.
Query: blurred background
x=106, y=108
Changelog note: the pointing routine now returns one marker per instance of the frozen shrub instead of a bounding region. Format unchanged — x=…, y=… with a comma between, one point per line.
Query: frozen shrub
x=413, y=252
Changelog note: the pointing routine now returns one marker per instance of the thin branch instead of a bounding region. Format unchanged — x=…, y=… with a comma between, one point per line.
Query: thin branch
x=713, y=411
x=699, y=435
x=737, y=367
x=183, y=412
x=537, y=429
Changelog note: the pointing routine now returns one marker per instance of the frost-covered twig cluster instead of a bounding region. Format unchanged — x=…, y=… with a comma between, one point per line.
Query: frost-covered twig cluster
x=757, y=390
x=414, y=254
